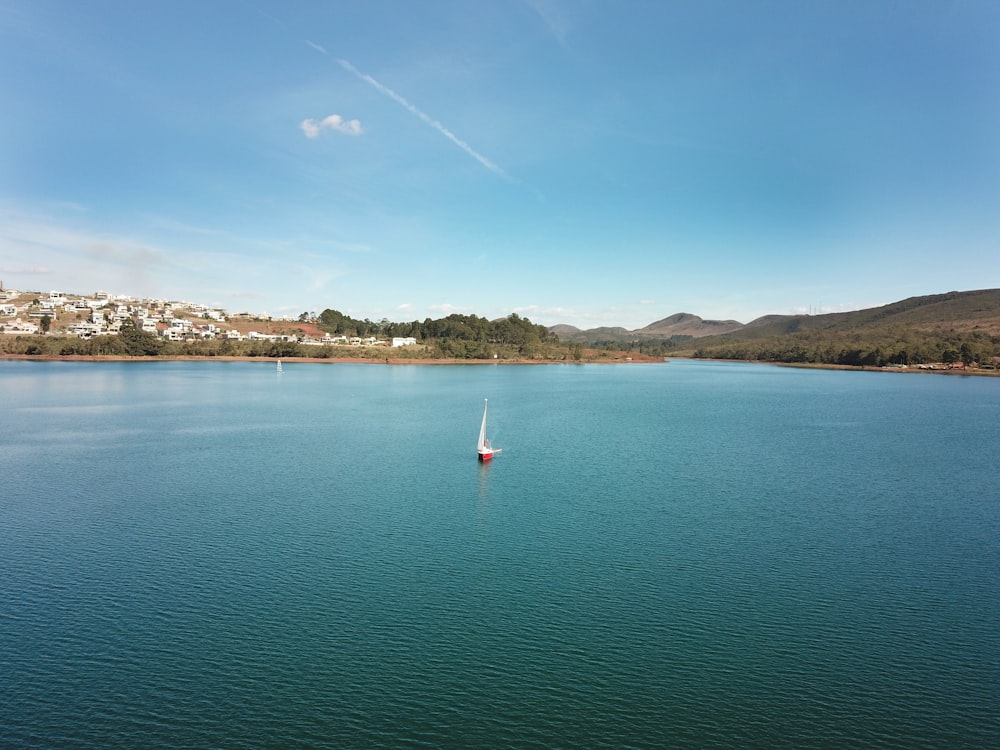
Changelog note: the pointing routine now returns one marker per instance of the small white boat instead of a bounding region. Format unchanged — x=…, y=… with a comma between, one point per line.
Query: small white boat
x=484, y=449
x=279, y=366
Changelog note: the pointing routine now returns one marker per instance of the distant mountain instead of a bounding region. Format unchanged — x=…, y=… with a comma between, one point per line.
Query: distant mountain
x=616, y=331
x=961, y=311
x=680, y=324
x=686, y=324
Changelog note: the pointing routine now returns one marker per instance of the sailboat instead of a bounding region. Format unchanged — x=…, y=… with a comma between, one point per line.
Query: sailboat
x=485, y=450
x=279, y=366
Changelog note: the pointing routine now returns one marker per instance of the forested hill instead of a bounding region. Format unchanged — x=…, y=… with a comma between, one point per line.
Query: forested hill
x=961, y=310
x=950, y=328
x=460, y=336
x=954, y=310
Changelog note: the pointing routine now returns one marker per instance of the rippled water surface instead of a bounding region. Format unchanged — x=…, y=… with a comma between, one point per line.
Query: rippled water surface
x=209, y=554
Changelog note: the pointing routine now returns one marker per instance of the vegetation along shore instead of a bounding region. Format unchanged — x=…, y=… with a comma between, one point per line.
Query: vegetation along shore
x=957, y=332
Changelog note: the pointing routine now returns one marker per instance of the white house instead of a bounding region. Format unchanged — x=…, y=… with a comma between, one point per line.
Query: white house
x=8, y=310
x=403, y=341
x=18, y=326
x=120, y=315
x=84, y=330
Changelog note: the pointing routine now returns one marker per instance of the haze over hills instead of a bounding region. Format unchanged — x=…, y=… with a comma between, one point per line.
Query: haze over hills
x=972, y=310
x=679, y=324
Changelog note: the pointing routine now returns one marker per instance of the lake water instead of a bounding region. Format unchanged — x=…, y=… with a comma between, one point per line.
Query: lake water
x=705, y=555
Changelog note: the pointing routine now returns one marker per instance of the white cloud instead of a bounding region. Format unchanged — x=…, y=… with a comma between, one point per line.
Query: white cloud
x=312, y=128
x=444, y=308
x=26, y=270
x=172, y=225
x=78, y=259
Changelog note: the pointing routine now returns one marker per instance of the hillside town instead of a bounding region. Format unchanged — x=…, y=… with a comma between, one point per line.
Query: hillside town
x=102, y=313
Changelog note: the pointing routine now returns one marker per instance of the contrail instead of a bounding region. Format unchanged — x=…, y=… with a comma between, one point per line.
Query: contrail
x=426, y=118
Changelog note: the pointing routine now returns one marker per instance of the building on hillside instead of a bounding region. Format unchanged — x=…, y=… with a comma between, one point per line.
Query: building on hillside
x=17, y=326
x=84, y=329
x=403, y=341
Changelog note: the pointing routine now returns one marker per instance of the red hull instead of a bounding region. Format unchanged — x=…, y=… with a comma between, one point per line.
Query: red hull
x=486, y=457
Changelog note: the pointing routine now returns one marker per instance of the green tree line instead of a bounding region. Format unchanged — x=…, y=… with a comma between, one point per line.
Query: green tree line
x=654, y=347
x=456, y=336
x=868, y=348
x=460, y=336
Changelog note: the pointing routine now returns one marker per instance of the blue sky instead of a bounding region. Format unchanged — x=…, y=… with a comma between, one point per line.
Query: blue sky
x=591, y=162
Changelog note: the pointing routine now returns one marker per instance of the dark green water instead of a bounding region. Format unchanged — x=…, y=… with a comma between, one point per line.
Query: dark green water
x=680, y=555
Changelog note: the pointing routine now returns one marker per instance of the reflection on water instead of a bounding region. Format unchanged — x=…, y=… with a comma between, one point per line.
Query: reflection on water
x=484, y=486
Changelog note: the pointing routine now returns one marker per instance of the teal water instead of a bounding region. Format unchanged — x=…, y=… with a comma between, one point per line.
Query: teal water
x=202, y=554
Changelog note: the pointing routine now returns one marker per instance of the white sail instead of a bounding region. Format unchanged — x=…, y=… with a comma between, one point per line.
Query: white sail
x=482, y=445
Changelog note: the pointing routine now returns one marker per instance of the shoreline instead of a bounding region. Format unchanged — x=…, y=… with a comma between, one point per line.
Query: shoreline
x=851, y=368
x=640, y=359
x=323, y=360
x=901, y=370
